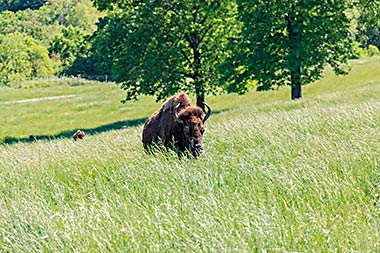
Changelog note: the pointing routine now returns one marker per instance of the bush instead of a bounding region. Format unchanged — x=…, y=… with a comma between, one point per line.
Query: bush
x=360, y=52
x=51, y=82
x=373, y=50
x=22, y=59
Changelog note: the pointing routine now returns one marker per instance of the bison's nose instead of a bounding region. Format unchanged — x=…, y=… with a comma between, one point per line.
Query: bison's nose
x=198, y=148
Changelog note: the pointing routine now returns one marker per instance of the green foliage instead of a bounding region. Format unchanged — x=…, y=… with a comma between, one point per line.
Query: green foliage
x=68, y=46
x=41, y=63
x=96, y=104
x=276, y=175
x=162, y=47
x=368, y=23
x=48, y=21
x=98, y=60
x=373, y=50
x=84, y=16
x=22, y=58
x=359, y=52
x=61, y=24
x=33, y=23
x=53, y=82
x=18, y=5
x=285, y=44
x=14, y=64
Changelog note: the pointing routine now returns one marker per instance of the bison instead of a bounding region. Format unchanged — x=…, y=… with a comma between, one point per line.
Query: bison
x=78, y=135
x=32, y=137
x=178, y=124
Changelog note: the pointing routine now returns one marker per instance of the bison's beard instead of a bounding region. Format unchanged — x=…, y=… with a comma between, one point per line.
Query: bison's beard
x=196, y=151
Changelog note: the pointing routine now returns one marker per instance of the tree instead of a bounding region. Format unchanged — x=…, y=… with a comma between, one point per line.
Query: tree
x=22, y=58
x=288, y=43
x=97, y=62
x=41, y=64
x=68, y=46
x=368, y=22
x=14, y=64
x=84, y=16
x=162, y=47
x=34, y=23
x=17, y=5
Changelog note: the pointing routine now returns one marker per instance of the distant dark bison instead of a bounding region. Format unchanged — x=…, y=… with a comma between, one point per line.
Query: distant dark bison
x=78, y=135
x=178, y=124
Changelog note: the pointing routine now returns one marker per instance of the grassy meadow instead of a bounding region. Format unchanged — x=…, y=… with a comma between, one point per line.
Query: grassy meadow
x=276, y=175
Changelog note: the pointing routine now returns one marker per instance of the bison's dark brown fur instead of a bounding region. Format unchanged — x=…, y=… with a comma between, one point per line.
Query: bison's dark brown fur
x=78, y=135
x=177, y=124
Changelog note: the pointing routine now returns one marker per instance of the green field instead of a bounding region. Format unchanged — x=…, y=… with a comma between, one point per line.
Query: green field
x=276, y=175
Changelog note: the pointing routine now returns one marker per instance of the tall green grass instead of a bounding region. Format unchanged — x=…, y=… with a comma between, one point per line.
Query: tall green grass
x=95, y=106
x=276, y=176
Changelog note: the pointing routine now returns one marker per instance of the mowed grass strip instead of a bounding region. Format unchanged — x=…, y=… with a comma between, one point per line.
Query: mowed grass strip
x=279, y=175
x=89, y=106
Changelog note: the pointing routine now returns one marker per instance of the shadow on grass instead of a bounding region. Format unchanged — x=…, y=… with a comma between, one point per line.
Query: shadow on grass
x=89, y=131
x=69, y=133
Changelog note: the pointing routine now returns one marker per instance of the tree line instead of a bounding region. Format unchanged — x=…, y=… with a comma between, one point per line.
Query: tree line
x=161, y=47
x=42, y=38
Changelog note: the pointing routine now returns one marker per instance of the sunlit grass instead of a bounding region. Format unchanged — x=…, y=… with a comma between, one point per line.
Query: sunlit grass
x=94, y=105
x=276, y=176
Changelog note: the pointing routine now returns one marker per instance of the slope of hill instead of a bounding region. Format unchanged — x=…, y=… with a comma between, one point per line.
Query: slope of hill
x=96, y=107
x=276, y=175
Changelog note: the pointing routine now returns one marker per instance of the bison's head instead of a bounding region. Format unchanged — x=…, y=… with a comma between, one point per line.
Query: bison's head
x=78, y=135
x=191, y=121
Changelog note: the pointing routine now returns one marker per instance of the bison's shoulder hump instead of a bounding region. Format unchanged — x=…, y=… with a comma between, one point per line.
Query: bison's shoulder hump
x=177, y=102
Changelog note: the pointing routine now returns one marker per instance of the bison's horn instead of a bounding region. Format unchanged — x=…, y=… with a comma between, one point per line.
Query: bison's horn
x=176, y=115
x=208, y=112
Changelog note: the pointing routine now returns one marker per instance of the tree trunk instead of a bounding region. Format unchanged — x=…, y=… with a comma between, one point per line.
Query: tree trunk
x=294, y=59
x=199, y=91
x=200, y=101
x=296, y=83
x=296, y=92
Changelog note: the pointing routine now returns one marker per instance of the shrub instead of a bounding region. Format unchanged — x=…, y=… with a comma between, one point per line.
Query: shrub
x=373, y=50
x=22, y=59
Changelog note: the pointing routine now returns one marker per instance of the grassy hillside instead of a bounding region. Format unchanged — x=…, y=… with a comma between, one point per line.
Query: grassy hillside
x=96, y=107
x=276, y=175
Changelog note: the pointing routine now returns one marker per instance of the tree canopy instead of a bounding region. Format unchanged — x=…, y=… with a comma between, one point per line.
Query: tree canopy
x=22, y=58
x=17, y=5
x=368, y=23
x=284, y=43
x=161, y=47
x=200, y=47
x=56, y=26
x=67, y=46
